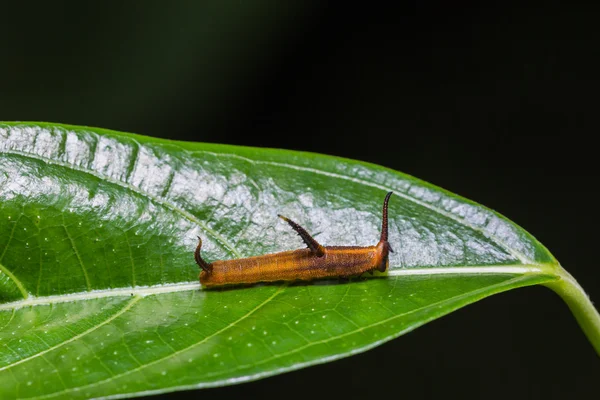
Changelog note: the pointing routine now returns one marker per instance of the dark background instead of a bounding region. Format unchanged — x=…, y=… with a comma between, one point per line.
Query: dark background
x=498, y=104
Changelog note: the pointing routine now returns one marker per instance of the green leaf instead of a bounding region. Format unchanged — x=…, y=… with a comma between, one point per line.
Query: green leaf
x=98, y=287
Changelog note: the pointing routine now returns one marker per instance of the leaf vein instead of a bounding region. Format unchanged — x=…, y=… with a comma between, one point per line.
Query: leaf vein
x=514, y=252
x=223, y=242
x=17, y=282
x=12, y=315
x=232, y=324
x=5, y=270
x=360, y=329
x=130, y=258
x=125, y=308
x=85, y=274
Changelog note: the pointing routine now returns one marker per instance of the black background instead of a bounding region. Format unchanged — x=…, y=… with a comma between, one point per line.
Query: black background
x=498, y=104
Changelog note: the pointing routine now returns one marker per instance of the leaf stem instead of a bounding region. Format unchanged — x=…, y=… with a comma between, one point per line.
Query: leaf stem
x=580, y=305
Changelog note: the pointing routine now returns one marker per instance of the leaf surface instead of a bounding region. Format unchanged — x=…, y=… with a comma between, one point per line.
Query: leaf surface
x=98, y=287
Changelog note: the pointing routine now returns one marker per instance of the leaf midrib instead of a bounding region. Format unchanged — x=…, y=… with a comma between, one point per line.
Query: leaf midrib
x=143, y=291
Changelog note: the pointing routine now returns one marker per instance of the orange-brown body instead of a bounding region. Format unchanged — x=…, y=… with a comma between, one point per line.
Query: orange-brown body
x=314, y=262
x=293, y=265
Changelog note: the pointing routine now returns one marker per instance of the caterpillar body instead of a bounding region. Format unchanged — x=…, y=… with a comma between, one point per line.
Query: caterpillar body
x=314, y=262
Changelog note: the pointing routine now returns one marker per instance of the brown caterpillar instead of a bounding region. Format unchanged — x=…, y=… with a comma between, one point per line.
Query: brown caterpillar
x=314, y=262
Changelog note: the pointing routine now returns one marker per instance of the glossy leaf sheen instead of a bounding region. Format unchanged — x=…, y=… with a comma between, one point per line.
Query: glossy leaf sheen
x=98, y=286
